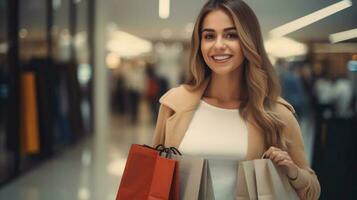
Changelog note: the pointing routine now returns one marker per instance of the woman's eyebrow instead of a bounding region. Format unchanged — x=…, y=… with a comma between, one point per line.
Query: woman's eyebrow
x=212, y=30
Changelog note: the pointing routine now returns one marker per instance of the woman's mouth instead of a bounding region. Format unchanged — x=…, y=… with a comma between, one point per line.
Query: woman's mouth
x=221, y=58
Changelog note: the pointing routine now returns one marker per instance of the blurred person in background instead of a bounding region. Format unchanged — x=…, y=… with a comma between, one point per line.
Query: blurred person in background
x=292, y=86
x=334, y=92
x=135, y=86
x=334, y=143
x=119, y=95
x=168, y=65
x=153, y=90
x=306, y=76
x=352, y=66
x=232, y=89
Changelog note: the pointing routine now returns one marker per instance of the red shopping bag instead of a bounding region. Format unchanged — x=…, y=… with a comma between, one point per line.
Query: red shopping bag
x=175, y=187
x=148, y=176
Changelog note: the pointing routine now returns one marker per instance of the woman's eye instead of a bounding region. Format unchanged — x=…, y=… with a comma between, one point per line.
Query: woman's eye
x=208, y=36
x=232, y=35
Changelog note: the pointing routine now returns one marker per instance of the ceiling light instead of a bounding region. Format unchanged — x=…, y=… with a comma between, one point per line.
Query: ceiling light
x=127, y=45
x=164, y=9
x=284, y=47
x=310, y=18
x=342, y=36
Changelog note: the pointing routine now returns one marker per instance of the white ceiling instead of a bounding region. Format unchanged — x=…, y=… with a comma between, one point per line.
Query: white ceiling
x=140, y=17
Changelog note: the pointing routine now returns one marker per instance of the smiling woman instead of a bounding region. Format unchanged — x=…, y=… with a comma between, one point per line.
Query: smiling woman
x=230, y=108
x=220, y=45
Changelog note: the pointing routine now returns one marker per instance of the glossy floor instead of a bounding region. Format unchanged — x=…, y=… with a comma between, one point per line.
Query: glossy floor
x=90, y=170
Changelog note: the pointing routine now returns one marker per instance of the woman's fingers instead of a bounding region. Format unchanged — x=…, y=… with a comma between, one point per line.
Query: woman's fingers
x=276, y=154
x=285, y=162
x=282, y=159
x=270, y=151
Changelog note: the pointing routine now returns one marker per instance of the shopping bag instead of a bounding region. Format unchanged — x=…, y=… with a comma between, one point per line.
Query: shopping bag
x=261, y=179
x=165, y=180
x=195, y=178
x=149, y=176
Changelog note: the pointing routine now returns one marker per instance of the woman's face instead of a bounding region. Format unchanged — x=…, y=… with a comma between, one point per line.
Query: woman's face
x=220, y=45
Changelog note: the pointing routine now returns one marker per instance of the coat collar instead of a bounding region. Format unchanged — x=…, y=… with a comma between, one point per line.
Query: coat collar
x=183, y=98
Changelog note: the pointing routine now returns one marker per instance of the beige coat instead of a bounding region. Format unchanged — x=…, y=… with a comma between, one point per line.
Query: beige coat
x=176, y=111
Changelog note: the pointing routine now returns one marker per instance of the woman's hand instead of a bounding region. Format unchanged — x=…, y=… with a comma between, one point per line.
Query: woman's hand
x=283, y=160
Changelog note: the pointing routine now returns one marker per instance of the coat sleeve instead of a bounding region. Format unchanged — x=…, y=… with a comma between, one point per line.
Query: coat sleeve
x=159, y=133
x=306, y=185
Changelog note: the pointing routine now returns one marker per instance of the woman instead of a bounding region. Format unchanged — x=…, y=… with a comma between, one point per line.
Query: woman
x=230, y=109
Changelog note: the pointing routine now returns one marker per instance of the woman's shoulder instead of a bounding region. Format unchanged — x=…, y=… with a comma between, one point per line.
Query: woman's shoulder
x=177, y=97
x=284, y=107
x=174, y=92
x=288, y=116
x=286, y=112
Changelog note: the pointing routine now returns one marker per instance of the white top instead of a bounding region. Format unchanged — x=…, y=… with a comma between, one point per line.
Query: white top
x=221, y=136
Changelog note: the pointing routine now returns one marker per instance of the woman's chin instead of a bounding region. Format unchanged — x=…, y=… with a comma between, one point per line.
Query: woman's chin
x=222, y=70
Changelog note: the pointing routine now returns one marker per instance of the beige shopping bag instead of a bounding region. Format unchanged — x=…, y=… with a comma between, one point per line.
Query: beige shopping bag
x=195, y=178
x=261, y=179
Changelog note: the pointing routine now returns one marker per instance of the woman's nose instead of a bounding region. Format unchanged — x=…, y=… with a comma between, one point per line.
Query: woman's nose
x=219, y=44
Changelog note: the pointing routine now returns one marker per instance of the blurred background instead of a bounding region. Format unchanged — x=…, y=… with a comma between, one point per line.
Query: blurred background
x=80, y=82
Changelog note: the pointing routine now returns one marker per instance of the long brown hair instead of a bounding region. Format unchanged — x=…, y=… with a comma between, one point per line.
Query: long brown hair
x=260, y=85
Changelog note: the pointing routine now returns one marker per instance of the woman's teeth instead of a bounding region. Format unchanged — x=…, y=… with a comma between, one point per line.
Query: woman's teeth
x=221, y=58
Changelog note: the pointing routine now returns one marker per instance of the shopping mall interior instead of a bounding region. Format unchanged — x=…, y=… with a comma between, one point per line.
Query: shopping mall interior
x=80, y=82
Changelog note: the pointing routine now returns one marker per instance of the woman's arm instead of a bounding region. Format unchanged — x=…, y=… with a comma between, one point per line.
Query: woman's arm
x=306, y=184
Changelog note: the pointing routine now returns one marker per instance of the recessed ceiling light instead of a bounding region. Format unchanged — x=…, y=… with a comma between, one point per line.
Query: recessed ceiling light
x=164, y=9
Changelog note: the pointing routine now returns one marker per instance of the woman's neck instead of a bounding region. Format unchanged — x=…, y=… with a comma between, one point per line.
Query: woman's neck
x=224, y=88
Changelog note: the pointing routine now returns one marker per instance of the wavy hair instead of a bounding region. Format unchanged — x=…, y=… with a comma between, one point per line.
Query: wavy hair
x=260, y=86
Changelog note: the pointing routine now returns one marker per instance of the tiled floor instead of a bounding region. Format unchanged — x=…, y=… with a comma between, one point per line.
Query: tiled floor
x=91, y=170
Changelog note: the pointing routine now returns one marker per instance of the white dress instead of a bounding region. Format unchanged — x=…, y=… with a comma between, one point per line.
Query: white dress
x=221, y=136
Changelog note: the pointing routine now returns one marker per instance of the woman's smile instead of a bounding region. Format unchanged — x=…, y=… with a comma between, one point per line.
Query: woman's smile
x=221, y=58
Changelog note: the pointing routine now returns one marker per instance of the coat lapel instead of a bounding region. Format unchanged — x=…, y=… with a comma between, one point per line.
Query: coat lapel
x=183, y=101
